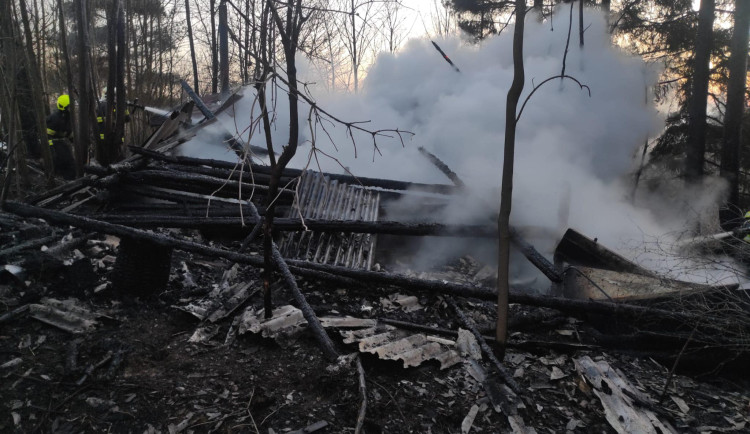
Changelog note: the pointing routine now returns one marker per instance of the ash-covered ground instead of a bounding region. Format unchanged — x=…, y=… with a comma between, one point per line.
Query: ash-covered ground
x=136, y=369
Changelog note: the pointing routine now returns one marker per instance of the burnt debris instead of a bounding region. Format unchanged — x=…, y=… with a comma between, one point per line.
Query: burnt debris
x=149, y=232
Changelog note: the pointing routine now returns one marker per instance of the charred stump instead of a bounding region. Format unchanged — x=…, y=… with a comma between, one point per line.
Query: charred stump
x=142, y=267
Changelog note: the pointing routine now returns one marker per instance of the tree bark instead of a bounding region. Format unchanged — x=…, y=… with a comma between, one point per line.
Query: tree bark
x=699, y=94
x=506, y=194
x=580, y=23
x=224, y=48
x=121, y=108
x=730, y=151
x=36, y=94
x=192, y=46
x=87, y=109
x=214, y=49
x=71, y=88
x=289, y=33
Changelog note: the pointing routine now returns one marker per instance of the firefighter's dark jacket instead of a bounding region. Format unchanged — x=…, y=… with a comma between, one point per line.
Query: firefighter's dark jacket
x=59, y=125
x=101, y=117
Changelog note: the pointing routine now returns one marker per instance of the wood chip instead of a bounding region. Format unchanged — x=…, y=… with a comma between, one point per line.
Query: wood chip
x=557, y=374
x=11, y=363
x=681, y=404
x=468, y=421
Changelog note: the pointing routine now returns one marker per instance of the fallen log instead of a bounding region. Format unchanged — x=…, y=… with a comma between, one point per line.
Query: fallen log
x=32, y=244
x=312, y=320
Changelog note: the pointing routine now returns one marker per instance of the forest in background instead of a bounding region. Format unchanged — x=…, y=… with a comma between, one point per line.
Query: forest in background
x=83, y=47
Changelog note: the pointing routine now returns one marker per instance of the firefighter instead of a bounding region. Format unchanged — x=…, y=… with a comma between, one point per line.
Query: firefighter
x=101, y=116
x=59, y=130
x=746, y=225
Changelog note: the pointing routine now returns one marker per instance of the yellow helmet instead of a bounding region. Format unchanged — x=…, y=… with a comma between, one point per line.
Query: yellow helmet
x=747, y=215
x=63, y=102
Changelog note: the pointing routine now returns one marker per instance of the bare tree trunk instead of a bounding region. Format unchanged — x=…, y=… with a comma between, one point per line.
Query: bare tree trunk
x=79, y=162
x=580, y=23
x=214, y=48
x=106, y=149
x=506, y=194
x=192, y=47
x=289, y=33
x=86, y=98
x=223, y=48
x=730, y=151
x=355, y=60
x=38, y=98
x=699, y=94
x=129, y=41
x=9, y=108
x=121, y=110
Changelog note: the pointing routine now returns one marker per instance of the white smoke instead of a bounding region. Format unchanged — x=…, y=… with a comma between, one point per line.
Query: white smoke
x=568, y=143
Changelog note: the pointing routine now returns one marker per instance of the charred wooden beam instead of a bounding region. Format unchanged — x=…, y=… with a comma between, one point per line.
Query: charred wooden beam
x=312, y=320
x=536, y=258
x=466, y=322
x=443, y=167
x=32, y=244
x=517, y=295
x=186, y=179
x=575, y=307
x=216, y=209
x=58, y=193
x=170, y=126
x=198, y=101
x=293, y=173
x=289, y=224
x=7, y=316
x=577, y=249
x=237, y=174
x=176, y=196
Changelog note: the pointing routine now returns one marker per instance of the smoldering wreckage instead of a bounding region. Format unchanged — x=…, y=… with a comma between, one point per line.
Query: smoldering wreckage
x=132, y=302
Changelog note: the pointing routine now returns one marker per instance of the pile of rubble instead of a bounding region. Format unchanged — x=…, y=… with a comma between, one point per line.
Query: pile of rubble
x=131, y=297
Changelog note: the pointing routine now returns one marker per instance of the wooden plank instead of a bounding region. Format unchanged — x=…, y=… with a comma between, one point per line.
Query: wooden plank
x=608, y=385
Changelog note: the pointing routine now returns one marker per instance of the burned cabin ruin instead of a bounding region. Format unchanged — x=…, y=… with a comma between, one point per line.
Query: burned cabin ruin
x=334, y=228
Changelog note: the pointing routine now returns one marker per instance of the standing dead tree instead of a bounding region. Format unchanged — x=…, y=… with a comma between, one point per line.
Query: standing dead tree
x=86, y=99
x=35, y=92
x=110, y=149
x=193, y=60
x=506, y=193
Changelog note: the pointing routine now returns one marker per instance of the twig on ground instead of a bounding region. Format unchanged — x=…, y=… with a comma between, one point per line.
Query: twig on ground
x=363, y=392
